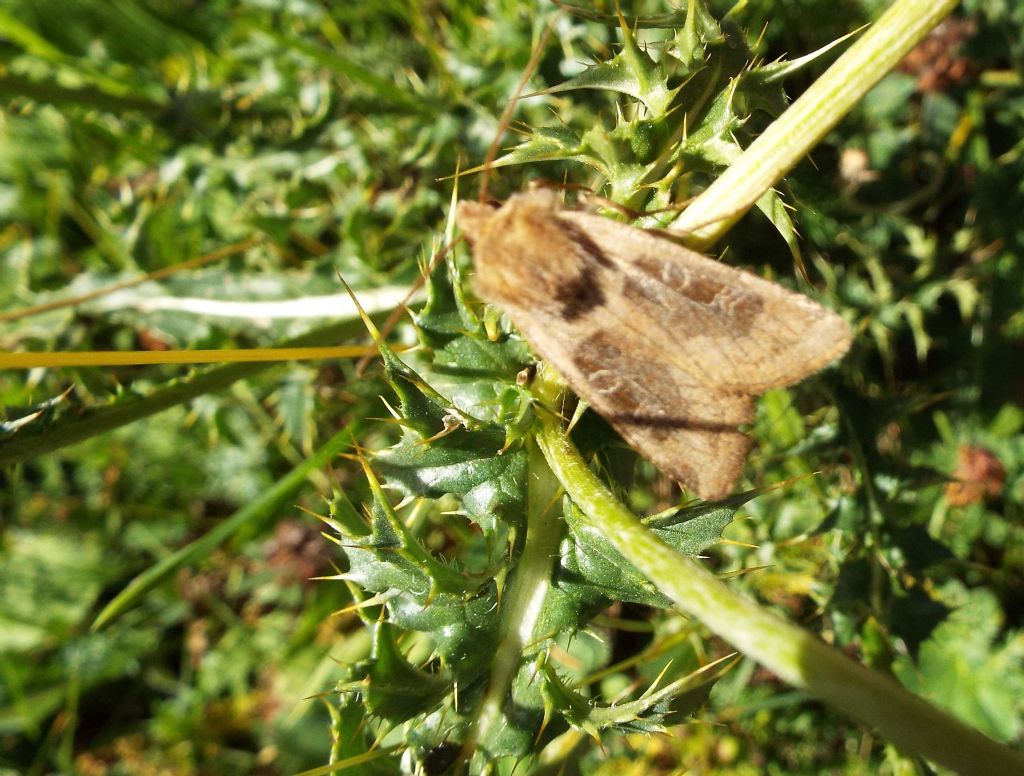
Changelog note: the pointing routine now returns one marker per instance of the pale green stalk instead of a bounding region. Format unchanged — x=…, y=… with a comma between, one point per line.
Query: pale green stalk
x=793, y=654
x=526, y=595
x=797, y=131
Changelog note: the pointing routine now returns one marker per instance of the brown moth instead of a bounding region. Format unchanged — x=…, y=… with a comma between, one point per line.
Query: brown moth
x=671, y=347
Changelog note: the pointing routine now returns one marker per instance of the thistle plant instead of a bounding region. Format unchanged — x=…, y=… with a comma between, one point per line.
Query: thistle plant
x=515, y=590
x=488, y=644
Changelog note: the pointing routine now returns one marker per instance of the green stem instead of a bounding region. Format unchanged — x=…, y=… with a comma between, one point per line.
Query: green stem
x=796, y=656
x=797, y=131
x=524, y=599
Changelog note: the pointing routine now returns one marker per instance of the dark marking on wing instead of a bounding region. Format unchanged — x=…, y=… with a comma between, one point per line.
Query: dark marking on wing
x=597, y=351
x=701, y=290
x=629, y=390
x=634, y=387
x=743, y=308
x=663, y=282
x=579, y=295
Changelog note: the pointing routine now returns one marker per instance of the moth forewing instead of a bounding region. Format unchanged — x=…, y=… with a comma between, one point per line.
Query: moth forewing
x=671, y=347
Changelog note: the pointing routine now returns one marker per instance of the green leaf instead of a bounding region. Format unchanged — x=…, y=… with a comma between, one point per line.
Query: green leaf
x=970, y=668
x=395, y=690
x=693, y=38
x=546, y=144
x=694, y=529
x=651, y=713
x=471, y=466
x=590, y=558
x=48, y=583
x=245, y=519
x=631, y=71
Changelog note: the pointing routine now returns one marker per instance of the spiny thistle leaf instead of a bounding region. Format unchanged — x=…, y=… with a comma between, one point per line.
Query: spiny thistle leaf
x=654, y=712
x=466, y=465
x=651, y=713
x=631, y=72
x=590, y=560
x=693, y=530
x=718, y=91
x=549, y=143
x=465, y=416
x=692, y=40
x=446, y=314
x=525, y=713
x=390, y=535
x=464, y=457
x=376, y=565
x=474, y=371
x=395, y=690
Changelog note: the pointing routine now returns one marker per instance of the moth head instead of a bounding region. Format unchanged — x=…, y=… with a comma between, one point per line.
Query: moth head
x=472, y=217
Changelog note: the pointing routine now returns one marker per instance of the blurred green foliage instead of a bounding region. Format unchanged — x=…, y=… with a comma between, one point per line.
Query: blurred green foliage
x=137, y=135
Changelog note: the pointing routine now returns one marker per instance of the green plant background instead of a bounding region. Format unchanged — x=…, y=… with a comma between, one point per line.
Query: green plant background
x=138, y=135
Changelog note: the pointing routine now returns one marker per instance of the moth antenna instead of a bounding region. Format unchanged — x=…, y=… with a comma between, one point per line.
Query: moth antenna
x=506, y=115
